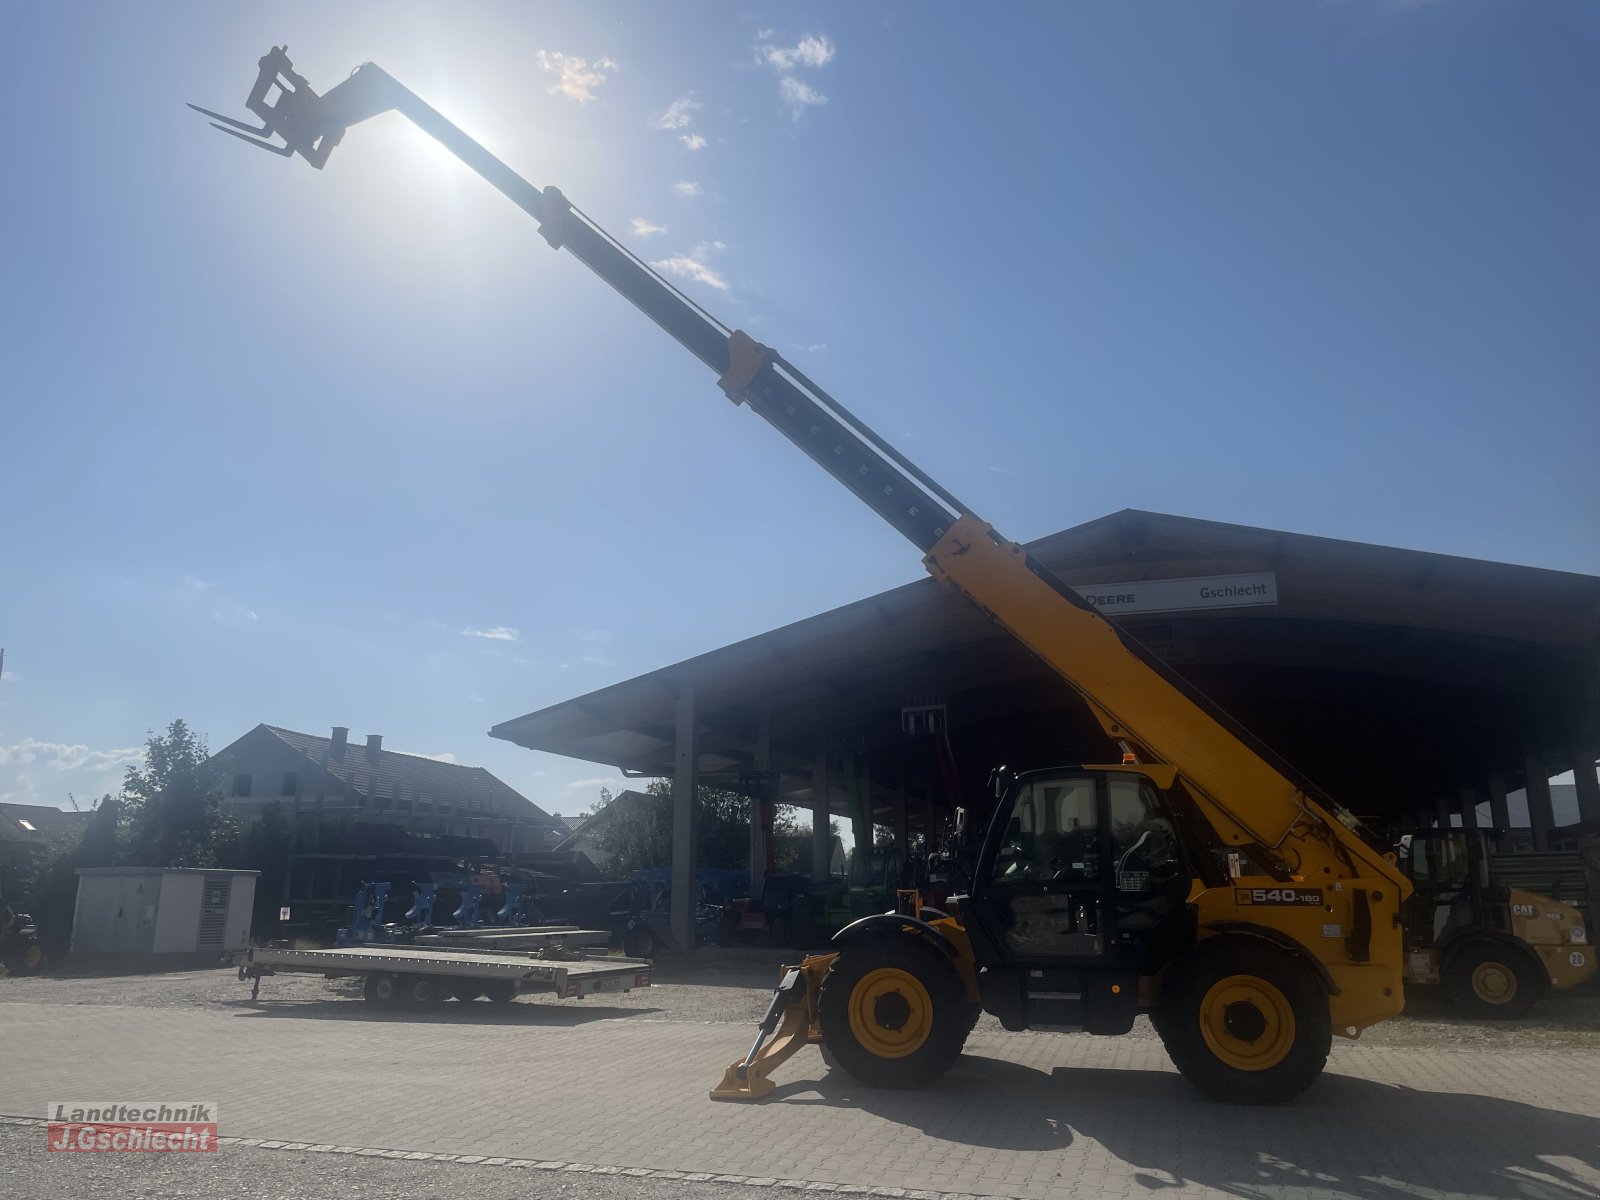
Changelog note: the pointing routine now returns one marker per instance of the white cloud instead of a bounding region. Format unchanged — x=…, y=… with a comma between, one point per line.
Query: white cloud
x=10, y=677
x=692, y=141
x=812, y=50
x=692, y=266
x=234, y=614
x=799, y=95
x=677, y=115
x=444, y=758
x=643, y=228
x=576, y=78
x=500, y=633
x=684, y=188
x=475, y=698
x=589, y=633
x=608, y=781
x=195, y=584
x=595, y=660
x=59, y=756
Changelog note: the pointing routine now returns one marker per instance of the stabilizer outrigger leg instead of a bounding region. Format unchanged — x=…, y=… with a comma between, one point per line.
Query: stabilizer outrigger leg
x=789, y=1024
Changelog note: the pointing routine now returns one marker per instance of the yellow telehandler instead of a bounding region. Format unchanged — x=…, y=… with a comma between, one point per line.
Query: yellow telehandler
x=1195, y=876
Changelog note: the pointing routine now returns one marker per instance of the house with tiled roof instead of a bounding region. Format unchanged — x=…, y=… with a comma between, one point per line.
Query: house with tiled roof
x=29, y=832
x=331, y=776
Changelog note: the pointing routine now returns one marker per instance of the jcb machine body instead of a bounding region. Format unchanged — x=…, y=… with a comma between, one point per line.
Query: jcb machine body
x=1497, y=949
x=1196, y=877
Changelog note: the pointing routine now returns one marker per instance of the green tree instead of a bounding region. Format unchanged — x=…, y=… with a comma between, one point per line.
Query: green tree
x=637, y=830
x=263, y=844
x=57, y=890
x=172, y=804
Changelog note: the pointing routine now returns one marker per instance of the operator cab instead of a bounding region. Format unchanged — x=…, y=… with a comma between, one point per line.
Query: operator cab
x=1080, y=888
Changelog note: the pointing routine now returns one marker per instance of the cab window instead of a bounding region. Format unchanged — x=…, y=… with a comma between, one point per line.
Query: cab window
x=1143, y=846
x=1053, y=833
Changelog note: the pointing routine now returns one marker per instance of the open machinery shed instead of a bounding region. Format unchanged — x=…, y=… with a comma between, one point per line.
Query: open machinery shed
x=1404, y=684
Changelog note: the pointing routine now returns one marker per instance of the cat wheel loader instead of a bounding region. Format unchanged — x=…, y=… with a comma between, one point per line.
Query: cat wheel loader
x=1496, y=949
x=1194, y=877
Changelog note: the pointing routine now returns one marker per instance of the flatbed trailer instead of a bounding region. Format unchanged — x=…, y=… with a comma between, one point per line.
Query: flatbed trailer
x=533, y=937
x=424, y=977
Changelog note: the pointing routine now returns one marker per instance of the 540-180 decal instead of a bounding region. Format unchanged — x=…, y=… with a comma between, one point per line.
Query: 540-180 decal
x=1291, y=897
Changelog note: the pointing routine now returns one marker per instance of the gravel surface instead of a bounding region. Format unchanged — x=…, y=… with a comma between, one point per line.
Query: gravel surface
x=733, y=985
x=28, y=1170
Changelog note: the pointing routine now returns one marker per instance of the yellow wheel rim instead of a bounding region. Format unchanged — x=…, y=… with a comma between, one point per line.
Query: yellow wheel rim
x=1247, y=1023
x=891, y=1014
x=1494, y=983
x=32, y=957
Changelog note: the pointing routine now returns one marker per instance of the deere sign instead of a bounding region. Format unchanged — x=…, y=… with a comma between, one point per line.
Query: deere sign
x=1182, y=595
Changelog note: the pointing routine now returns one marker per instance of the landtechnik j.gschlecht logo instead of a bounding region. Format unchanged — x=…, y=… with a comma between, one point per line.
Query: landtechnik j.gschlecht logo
x=109, y=1126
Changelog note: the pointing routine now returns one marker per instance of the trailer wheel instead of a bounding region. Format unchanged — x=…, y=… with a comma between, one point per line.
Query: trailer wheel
x=1491, y=980
x=466, y=990
x=30, y=961
x=500, y=991
x=422, y=991
x=1244, y=1022
x=641, y=942
x=893, y=1012
x=381, y=992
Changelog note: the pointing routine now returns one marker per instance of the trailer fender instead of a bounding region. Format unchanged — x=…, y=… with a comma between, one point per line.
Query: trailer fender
x=893, y=923
x=1283, y=941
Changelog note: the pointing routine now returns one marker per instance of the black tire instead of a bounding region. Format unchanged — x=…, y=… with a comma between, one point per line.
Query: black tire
x=500, y=991
x=30, y=960
x=1492, y=981
x=905, y=997
x=1265, y=1045
x=727, y=927
x=423, y=991
x=381, y=992
x=641, y=942
x=466, y=990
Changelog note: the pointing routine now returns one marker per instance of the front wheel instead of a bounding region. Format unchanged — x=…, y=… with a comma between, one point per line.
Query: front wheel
x=893, y=1012
x=1244, y=1022
x=1492, y=981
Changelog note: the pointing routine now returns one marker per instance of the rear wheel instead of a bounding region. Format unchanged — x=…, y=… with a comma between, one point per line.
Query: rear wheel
x=893, y=1012
x=381, y=992
x=1244, y=1022
x=641, y=942
x=422, y=991
x=1491, y=980
x=30, y=961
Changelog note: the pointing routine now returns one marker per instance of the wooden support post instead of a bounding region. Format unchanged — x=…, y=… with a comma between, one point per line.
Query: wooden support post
x=821, y=834
x=1499, y=808
x=763, y=795
x=1469, y=807
x=1541, y=814
x=685, y=784
x=1588, y=783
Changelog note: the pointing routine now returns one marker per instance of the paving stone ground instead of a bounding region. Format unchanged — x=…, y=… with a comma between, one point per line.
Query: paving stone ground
x=1046, y=1117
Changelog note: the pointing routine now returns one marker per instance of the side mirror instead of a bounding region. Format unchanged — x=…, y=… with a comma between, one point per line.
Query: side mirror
x=999, y=780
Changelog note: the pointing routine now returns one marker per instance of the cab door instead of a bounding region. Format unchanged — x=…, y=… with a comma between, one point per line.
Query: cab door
x=1078, y=876
x=1044, y=893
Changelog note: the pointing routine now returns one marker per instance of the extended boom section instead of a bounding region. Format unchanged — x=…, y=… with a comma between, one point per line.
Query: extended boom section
x=1199, y=879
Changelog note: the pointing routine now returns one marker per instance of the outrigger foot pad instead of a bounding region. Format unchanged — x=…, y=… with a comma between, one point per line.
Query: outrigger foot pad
x=790, y=1023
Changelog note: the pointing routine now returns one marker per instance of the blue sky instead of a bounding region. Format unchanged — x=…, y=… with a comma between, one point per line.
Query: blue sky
x=357, y=448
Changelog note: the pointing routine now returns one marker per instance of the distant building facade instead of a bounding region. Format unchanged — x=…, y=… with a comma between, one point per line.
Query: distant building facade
x=331, y=777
